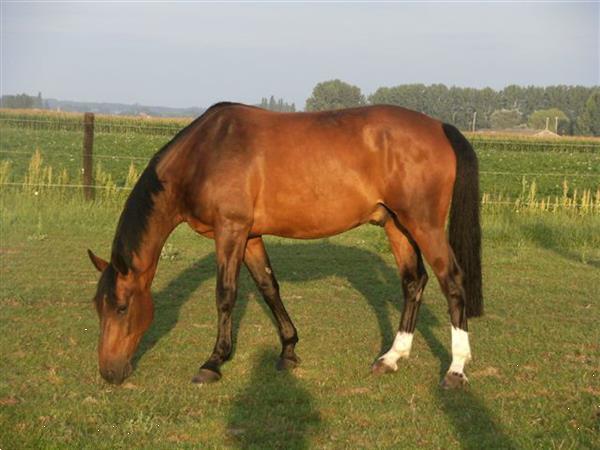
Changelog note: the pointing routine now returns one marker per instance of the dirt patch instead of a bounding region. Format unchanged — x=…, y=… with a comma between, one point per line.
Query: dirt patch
x=487, y=372
x=354, y=391
x=8, y=401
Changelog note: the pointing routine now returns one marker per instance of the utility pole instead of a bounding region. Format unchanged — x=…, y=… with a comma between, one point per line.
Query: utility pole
x=474, y=120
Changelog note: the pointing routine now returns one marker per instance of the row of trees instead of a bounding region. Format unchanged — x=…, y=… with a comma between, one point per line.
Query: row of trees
x=277, y=105
x=22, y=101
x=575, y=109
x=564, y=109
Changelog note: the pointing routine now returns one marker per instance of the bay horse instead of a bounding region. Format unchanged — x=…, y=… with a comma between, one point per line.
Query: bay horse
x=239, y=172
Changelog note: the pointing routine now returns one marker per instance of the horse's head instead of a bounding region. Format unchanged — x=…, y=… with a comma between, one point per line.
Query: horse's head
x=125, y=309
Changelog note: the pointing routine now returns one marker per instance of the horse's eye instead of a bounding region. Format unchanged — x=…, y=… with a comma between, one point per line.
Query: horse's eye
x=121, y=309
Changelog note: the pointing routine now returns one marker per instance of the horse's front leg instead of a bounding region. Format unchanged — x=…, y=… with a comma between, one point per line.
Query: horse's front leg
x=259, y=266
x=230, y=241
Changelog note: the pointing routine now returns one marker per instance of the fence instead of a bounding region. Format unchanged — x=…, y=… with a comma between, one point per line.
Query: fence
x=85, y=132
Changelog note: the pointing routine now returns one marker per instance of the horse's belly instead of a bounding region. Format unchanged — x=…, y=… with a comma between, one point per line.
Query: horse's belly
x=309, y=215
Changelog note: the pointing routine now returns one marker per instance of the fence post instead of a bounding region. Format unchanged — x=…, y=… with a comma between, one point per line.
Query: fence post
x=88, y=163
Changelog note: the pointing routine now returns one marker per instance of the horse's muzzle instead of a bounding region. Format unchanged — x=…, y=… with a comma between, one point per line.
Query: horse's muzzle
x=116, y=373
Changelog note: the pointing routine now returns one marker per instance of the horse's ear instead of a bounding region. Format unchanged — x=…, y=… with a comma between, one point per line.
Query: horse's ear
x=98, y=262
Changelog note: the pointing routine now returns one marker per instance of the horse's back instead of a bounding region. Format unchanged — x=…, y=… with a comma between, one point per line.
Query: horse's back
x=316, y=174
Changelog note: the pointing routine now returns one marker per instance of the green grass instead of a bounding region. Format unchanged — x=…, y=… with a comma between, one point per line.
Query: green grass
x=503, y=171
x=534, y=377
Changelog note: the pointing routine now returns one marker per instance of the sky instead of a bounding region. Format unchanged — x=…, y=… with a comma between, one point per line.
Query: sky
x=182, y=54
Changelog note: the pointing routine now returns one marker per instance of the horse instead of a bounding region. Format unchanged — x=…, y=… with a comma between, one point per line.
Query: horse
x=238, y=172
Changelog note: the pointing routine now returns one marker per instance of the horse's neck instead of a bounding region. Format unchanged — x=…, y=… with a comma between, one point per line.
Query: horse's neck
x=152, y=210
x=160, y=225
x=149, y=217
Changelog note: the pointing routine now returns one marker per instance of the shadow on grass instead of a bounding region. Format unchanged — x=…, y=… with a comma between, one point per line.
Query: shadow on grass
x=169, y=300
x=273, y=410
x=471, y=419
x=549, y=238
x=472, y=422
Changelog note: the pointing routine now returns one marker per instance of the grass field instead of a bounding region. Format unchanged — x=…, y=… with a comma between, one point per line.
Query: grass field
x=535, y=376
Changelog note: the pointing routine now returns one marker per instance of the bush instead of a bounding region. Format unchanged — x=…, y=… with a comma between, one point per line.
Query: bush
x=537, y=120
x=502, y=119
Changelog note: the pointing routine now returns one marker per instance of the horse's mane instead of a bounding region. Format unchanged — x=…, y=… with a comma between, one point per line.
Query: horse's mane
x=140, y=203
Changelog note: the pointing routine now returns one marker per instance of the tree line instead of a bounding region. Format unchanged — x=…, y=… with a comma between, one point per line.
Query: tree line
x=570, y=109
x=22, y=101
x=277, y=105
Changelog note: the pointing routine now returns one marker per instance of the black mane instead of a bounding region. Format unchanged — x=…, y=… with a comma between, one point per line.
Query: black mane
x=106, y=287
x=140, y=204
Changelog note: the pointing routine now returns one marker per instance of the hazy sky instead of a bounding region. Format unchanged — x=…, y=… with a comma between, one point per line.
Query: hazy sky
x=195, y=54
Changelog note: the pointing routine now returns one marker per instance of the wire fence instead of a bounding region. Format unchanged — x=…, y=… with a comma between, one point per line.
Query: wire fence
x=71, y=154
x=169, y=127
x=146, y=159
x=586, y=202
x=65, y=186
x=124, y=126
x=528, y=145
x=135, y=126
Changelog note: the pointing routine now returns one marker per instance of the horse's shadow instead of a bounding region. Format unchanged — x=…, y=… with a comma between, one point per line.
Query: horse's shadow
x=377, y=282
x=366, y=271
x=274, y=410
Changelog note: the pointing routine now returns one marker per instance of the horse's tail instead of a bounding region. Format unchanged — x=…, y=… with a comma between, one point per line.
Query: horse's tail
x=465, y=230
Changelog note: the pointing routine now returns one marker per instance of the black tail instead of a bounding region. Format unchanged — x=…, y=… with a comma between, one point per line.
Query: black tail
x=465, y=230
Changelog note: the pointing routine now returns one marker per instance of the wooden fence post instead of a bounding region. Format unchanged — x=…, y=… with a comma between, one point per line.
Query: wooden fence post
x=88, y=162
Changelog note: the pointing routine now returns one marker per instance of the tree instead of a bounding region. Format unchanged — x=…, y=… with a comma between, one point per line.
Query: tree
x=588, y=122
x=537, y=120
x=277, y=105
x=411, y=96
x=334, y=94
x=501, y=119
x=22, y=101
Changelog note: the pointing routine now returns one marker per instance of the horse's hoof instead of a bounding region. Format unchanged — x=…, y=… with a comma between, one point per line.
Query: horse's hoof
x=287, y=363
x=380, y=367
x=454, y=380
x=206, y=376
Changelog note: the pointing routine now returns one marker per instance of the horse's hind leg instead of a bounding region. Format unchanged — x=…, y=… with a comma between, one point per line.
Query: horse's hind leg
x=414, y=278
x=439, y=255
x=230, y=240
x=257, y=262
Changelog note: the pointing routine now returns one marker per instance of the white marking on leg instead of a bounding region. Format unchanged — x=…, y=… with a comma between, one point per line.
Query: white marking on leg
x=461, y=351
x=400, y=349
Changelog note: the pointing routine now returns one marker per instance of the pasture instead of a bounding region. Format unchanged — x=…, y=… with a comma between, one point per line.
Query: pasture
x=536, y=352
